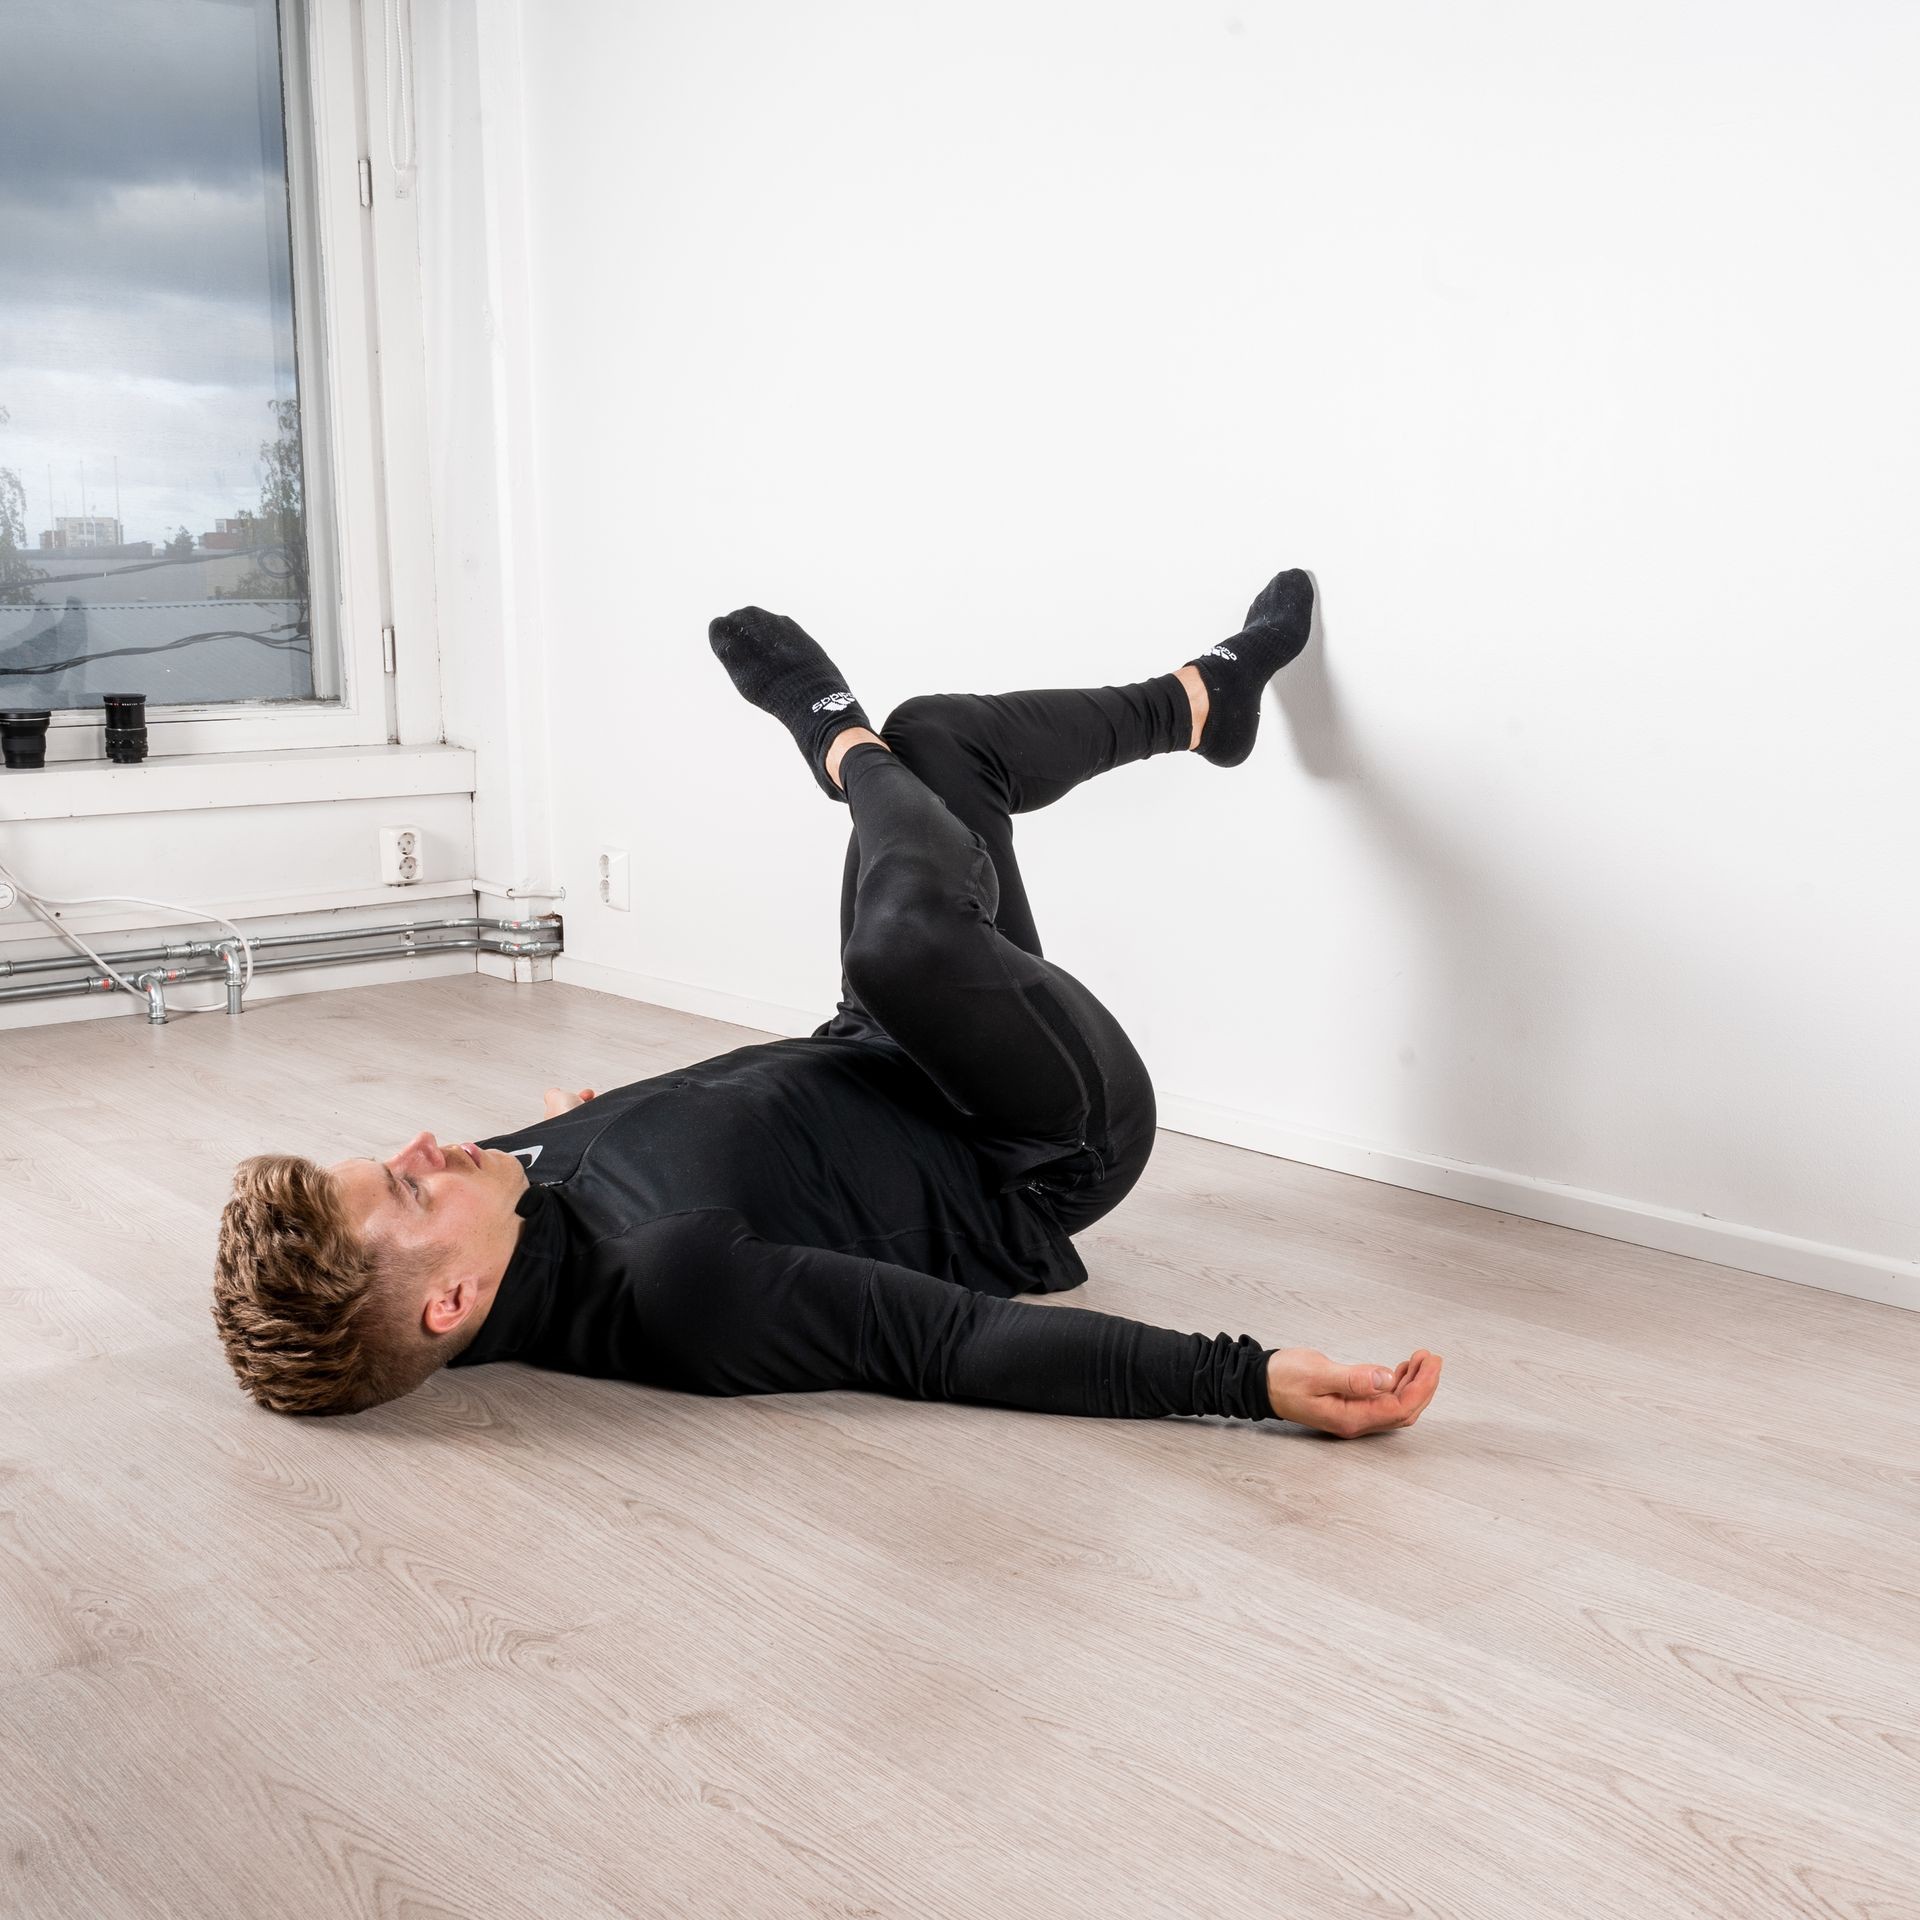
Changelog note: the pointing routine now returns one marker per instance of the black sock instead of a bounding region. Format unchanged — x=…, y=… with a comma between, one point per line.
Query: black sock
x=1236, y=671
x=784, y=671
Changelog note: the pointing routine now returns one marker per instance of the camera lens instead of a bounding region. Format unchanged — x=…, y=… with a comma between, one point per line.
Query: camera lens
x=23, y=735
x=126, y=726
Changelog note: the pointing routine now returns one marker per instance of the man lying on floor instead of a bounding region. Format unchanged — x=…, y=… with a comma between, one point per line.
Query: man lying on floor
x=853, y=1209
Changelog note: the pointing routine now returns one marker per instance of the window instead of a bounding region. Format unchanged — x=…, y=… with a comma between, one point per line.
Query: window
x=188, y=426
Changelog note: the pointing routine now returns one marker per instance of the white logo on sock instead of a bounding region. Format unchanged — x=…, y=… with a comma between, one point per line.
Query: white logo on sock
x=1221, y=652
x=832, y=703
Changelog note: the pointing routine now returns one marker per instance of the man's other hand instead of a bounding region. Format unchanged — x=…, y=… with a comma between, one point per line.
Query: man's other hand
x=559, y=1101
x=1307, y=1387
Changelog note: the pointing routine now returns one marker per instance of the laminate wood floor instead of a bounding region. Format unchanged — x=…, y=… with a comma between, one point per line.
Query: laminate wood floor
x=1628, y=1625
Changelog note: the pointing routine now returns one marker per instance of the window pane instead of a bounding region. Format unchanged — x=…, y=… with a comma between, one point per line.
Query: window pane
x=153, y=532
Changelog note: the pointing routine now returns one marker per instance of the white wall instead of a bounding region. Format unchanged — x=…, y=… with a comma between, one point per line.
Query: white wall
x=1571, y=348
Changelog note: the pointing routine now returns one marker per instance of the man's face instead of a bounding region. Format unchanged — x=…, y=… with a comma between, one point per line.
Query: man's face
x=452, y=1207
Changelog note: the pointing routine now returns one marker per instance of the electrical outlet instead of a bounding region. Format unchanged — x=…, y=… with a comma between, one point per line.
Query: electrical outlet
x=399, y=856
x=616, y=882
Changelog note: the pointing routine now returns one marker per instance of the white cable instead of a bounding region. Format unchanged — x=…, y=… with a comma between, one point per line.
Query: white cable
x=38, y=903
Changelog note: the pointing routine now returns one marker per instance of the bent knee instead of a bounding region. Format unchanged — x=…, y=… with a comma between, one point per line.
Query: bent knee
x=937, y=735
x=891, y=956
x=930, y=733
x=924, y=713
x=912, y=912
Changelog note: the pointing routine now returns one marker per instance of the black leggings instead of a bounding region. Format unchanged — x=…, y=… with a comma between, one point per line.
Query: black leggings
x=939, y=953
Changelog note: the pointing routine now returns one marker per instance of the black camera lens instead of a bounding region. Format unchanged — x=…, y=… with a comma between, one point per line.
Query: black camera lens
x=23, y=735
x=126, y=726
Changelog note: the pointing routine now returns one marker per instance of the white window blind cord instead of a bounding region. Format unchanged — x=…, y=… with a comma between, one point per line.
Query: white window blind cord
x=396, y=34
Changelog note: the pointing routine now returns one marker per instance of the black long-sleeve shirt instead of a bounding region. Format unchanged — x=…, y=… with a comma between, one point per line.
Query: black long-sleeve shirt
x=809, y=1214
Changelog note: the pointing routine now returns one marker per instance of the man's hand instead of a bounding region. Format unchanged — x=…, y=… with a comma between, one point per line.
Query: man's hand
x=1307, y=1387
x=560, y=1101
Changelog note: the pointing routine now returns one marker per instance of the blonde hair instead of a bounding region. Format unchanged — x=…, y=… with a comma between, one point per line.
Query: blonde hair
x=307, y=1308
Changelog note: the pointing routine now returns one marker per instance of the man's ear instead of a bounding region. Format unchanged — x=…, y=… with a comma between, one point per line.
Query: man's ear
x=451, y=1304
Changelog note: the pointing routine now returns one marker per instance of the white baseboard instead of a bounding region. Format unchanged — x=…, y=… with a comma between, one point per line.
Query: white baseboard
x=1893, y=1283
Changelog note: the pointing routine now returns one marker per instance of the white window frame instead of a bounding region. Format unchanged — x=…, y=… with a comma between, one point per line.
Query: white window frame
x=359, y=339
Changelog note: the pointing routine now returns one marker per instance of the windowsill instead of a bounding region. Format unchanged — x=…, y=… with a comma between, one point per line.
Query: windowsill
x=190, y=782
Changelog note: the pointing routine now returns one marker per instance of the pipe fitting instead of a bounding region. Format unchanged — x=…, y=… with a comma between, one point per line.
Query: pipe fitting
x=235, y=956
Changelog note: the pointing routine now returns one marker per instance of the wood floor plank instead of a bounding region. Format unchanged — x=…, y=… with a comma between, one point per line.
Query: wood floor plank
x=1789, y=1697
x=1628, y=1626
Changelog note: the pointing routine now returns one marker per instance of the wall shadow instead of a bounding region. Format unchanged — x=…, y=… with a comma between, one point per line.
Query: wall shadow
x=1485, y=959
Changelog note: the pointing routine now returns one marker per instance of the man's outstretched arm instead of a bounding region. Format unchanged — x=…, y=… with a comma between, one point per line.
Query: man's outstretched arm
x=709, y=1306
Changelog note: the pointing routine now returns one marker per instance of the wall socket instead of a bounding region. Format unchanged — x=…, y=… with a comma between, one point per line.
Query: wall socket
x=616, y=879
x=399, y=856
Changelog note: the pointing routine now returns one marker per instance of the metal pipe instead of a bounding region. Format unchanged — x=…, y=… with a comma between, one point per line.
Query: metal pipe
x=225, y=961
x=235, y=956
x=153, y=985
x=283, y=963
x=190, y=949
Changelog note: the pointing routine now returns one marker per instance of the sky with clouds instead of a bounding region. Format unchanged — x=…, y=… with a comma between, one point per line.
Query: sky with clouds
x=145, y=305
